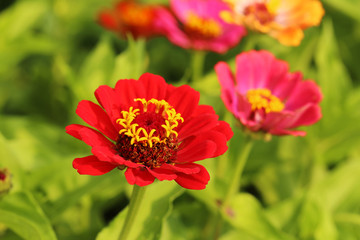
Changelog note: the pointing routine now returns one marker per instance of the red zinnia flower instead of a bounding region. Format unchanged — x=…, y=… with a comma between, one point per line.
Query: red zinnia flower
x=153, y=129
x=128, y=16
x=266, y=97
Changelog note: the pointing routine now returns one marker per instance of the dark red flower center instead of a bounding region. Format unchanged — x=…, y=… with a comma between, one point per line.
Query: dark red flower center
x=2, y=175
x=148, y=133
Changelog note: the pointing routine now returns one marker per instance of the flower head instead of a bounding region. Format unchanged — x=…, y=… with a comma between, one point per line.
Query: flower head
x=196, y=24
x=265, y=97
x=128, y=16
x=282, y=19
x=5, y=181
x=152, y=129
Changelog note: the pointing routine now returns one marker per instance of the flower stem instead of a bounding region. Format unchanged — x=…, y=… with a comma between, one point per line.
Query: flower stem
x=135, y=201
x=239, y=167
x=234, y=185
x=197, y=65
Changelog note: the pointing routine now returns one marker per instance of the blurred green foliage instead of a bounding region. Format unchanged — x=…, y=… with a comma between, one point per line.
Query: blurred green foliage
x=53, y=54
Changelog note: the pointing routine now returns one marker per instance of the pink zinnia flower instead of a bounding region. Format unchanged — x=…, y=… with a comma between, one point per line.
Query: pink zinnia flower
x=151, y=129
x=265, y=97
x=196, y=24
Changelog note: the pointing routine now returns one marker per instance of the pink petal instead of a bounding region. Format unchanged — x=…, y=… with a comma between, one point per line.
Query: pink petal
x=139, y=176
x=310, y=114
x=195, y=181
x=95, y=116
x=285, y=85
x=281, y=132
x=305, y=92
x=90, y=165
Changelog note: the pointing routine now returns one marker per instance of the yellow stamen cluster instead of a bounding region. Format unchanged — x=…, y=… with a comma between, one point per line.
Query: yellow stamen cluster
x=206, y=27
x=139, y=134
x=263, y=99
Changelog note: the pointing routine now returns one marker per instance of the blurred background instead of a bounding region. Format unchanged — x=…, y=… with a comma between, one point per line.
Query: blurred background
x=54, y=54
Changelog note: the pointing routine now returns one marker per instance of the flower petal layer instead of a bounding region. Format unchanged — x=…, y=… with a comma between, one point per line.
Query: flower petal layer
x=90, y=165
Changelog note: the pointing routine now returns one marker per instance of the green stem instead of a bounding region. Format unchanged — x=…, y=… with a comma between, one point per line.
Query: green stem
x=135, y=201
x=197, y=65
x=239, y=167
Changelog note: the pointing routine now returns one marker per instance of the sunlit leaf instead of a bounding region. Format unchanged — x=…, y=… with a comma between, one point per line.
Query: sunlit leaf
x=21, y=213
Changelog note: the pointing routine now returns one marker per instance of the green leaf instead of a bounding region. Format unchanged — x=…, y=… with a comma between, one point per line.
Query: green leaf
x=246, y=214
x=96, y=70
x=333, y=77
x=348, y=7
x=156, y=205
x=96, y=184
x=23, y=215
x=18, y=19
x=340, y=185
x=132, y=62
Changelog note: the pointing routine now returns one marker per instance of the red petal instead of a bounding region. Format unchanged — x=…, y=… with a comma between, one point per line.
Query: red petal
x=187, y=168
x=111, y=102
x=206, y=145
x=88, y=135
x=155, y=86
x=196, y=125
x=184, y=99
x=224, y=128
x=128, y=90
x=204, y=109
x=90, y=165
x=195, y=181
x=74, y=130
x=198, y=148
x=107, y=20
x=139, y=176
x=95, y=116
x=162, y=174
x=108, y=154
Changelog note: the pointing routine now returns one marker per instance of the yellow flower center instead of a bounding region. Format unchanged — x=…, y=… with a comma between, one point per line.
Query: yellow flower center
x=263, y=99
x=202, y=27
x=133, y=14
x=154, y=124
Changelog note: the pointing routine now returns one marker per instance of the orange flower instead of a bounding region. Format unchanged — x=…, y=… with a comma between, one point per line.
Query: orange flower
x=284, y=20
x=129, y=16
